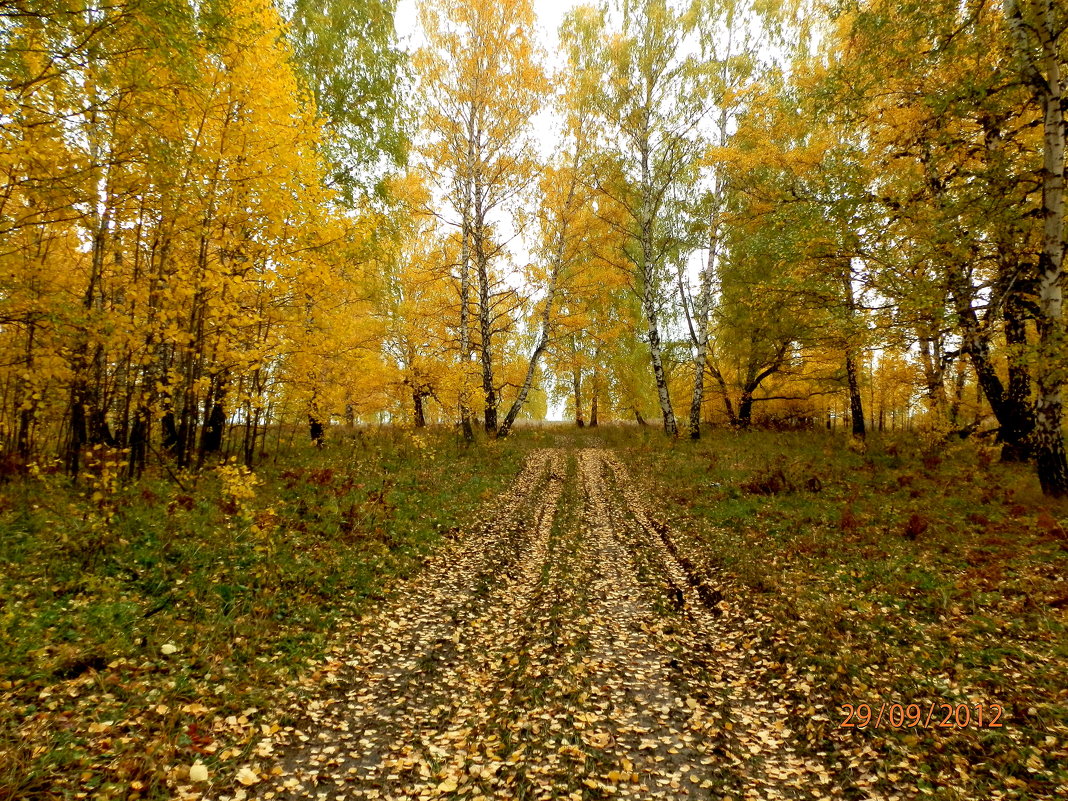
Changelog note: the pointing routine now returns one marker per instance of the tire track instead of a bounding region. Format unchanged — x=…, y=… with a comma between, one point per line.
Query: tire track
x=659, y=745
x=763, y=754
x=570, y=648
x=414, y=679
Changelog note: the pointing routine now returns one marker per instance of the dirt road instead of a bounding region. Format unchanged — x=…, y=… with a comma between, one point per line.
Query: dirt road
x=568, y=646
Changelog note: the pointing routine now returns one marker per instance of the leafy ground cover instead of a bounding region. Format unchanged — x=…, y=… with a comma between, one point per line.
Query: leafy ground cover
x=148, y=626
x=897, y=573
x=176, y=623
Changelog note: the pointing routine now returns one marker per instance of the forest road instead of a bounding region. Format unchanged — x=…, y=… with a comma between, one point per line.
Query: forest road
x=568, y=646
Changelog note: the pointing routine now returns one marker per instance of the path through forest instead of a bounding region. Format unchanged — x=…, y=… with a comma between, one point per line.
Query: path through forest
x=567, y=646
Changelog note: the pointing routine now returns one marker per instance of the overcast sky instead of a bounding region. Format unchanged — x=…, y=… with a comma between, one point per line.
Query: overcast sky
x=550, y=14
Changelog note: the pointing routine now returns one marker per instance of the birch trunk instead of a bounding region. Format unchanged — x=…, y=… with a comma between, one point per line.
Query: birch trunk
x=576, y=385
x=595, y=391
x=648, y=290
x=1038, y=49
x=539, y=349
x=465, y=300
x=701, y=315
x=1049, y=434
x=485, y=324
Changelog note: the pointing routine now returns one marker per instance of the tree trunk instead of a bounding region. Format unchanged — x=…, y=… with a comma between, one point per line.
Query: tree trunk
x=1042, y=67
x=1020, y=420
x=465, y=309
x=140, y=431
x=81, y=394
x=211, y=435
x=933, y=374
x=856, y=402
x=485, y=313
x=593, y=406
x=1049, y=370
x=170, y=433
x=698, y=396
x=753, y=381
x=418, y=417
x=316, y=430
x=701, y=320
x=728, y=405
x=576, y=385
x=645, y=221
x=670, y=426
x=543, y=343
x=486, y=331
x=975, y=342
x=745, y=409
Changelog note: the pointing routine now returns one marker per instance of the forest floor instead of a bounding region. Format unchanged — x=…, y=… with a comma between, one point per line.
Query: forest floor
x=568, y=615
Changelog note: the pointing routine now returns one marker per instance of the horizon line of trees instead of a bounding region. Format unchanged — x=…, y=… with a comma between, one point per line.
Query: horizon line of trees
x=221, y=218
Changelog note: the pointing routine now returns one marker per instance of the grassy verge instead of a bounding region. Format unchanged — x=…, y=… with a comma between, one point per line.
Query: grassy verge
x=898, y=573
x=148, y=627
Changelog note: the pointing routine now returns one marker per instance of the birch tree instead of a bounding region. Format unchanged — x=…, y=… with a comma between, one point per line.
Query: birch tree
x=650, y=96
x=1040, y=46
x=482, y=83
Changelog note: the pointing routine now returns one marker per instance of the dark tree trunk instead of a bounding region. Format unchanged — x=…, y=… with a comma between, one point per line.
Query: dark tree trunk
x=186, y=432
x=78, y=435
x=576, y=384
x=28, y=412
x=139, y=434
x=24, y=440
x=728, y=405
x=418, y=417
x=170, y=433
x=1019, y=415
x=745, y=409
x=212, y=434
x=958, y=394
x=1016, y=421
x=856, y=403
x=316, y=430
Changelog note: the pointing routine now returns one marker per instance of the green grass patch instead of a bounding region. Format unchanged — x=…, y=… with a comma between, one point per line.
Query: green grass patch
x=152, y=625
x=896, y=573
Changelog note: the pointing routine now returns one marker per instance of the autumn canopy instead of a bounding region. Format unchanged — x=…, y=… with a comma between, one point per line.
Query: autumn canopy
x=221, y=221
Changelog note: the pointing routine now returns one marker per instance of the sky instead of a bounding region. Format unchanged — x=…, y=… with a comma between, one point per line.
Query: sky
x=550, y=14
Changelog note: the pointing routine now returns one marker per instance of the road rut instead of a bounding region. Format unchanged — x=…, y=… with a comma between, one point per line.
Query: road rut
x=567, y=647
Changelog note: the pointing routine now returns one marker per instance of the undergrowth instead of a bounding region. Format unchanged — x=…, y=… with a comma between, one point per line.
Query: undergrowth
x=149, y=626
x=896, y=572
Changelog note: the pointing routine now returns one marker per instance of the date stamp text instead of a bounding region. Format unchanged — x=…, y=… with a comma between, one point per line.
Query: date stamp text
x=927, y=716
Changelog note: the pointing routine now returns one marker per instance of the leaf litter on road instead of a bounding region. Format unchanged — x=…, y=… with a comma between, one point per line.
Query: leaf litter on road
x=561, y=648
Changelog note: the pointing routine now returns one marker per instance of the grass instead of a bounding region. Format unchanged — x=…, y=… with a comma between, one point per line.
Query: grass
x=149, y=626
x=900, y=572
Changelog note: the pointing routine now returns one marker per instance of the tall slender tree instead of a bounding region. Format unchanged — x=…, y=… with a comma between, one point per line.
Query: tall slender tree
x=650, y=92
x=482, y=83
